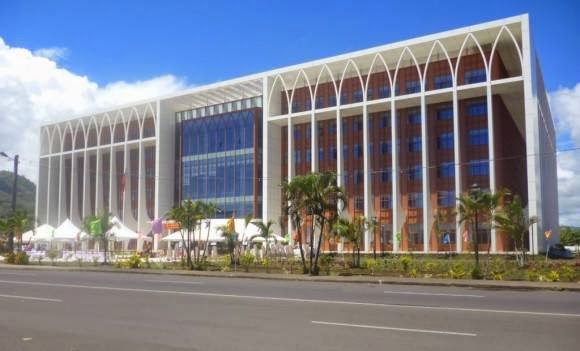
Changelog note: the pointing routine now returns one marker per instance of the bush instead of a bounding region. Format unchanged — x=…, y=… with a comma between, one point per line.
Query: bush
x=21, y=258
x=134, y=261
x=405, y=262
x=413, y=273
x=372, y=265
x=326, y=262
x=568, y=273
x=457, y=271
x=476, y=273
x=533, y=275
x=246, y=260
x=10, y=258
x=52, y=255
x=553, y=276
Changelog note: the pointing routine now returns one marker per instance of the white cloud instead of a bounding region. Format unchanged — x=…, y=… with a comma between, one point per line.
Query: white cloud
x=565, y=104
x=53, y=53
x=33, y=89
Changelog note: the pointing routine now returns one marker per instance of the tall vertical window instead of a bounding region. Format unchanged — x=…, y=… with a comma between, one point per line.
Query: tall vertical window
x=357, y=151
x=412, y=86
x=357, y=96
x=359, y=203
x=443, y=81
x=319, y=102
x=477, y=109
x=446, y=198
x=297, y=154
x=446, y=170
x=445, y=141
x=308, y=156
x=385, y=120
x=386, y=175
x=445, y=113
x=415, y=200
x=345, y=152
x=321, y=154
x=386, y=202
x=384, y=92
x=478, y=136
x=479, y=168
x=332, y=101
x=475, y=76
x=358, y=176
x=415, y=173
x=415, y=144
x=385, y=147
x=414, y=117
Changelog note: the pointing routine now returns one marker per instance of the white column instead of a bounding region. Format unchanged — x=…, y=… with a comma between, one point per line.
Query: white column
x=48, y=189
x=395, y=181
x=98, y=180
x=141, y=204
x=366, y=175
x=490, y=134
x=290, y=158
x=457, y=161
x=339, y=159
x=86, y=185
x=61, y=189
x=427, y=216
x=313, y=142
x=113, y=181
x=73, y=185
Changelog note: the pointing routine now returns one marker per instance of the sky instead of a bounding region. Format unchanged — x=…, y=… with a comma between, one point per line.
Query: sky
x=59, y=58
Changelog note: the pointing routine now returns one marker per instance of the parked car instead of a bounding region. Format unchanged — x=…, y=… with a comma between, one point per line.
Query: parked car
x=558, y=251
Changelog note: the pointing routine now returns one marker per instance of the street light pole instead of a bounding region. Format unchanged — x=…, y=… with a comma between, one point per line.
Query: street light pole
x=14, y=191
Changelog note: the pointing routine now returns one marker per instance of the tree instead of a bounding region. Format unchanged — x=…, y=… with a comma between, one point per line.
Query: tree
x=474, y=207
x=294, y=194
x=570, y=236
x=230, y=236
x=265, y=232
x=511, y=220
x=3, y=232
x=99, y=227
x=189, y=216
x=208, y=211
x=18, y=223
x=353, y=232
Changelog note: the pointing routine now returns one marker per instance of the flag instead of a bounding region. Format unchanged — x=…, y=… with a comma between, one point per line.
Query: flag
x=231, y=225
x=465, y=235
x=157, y=226
x=446, y=238
x=95, y=227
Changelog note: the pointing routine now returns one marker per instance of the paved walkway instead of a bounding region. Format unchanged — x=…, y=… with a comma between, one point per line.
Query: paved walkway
x=480, y=284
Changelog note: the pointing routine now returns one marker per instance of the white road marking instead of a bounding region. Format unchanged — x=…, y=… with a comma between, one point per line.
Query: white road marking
x=430, y=294
x=30, y=298
x=14, y=273
x=173, y=282
x=287, y=299
x=427, y=331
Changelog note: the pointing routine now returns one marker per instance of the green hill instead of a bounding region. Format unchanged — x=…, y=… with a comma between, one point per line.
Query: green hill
x=26, y=194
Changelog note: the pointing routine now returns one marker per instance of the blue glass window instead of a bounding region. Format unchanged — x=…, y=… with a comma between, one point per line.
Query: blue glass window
x=332, y=128
x=414, y=117
x=475, y=76
x=344, y=127
x=320, y=128
x=386, y=175
x=445, y=170
x=333, y=153
x=415, y=200
x=415, y=173
x=297, y=156
x=307, y=104
x=445, y=113
x=357, y=151
x=343, y=99
x=332, y=100
x=445, y=141
x=412, y=86
x=386, y=202
x=478, y=137
x=477, y=109
x=479, y=168
x=370, y=94
x=359, y=203
x=357, y=125
x=308, y=157
x=370, y=148
x=385, y=147
x=358, y=177
x=443, y=81
x=308, y=132
x=385, y=120
x=357, y=96
x=294, y=106
x=446, y=198
x=384, y=92
x=296, y=133
x=319, y=102
x=345, y=178
x=415, y=144
x=321, y=154
x=345, y=152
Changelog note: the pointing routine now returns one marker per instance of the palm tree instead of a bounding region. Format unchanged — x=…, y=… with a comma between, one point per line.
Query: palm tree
x=208, y=211
x=476, y=206
x=265, y=232
x=294, y=194
x=353, y=232
x=511, y=220
x=230, y=241
x=3, y=230
x=99, y=227
x=18, y=223
x=189, y=216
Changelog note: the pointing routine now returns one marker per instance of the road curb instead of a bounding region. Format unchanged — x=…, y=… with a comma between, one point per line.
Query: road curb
x=475, y=284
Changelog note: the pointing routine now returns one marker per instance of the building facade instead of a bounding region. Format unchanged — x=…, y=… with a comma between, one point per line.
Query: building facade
x=407, y=127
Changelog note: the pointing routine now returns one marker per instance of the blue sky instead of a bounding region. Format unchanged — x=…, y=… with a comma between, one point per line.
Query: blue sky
x=210, y=41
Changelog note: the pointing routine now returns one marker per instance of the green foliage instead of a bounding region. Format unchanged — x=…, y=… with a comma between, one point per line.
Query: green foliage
x=533, y=275
x=476, y=273
x=568, y=273
x=52, y=254
x=246, y=260
x=553, y=276
x=326, y=262
x=372, y=265
x=10, y=258
x=413, y=273
x=134, y=261
x=405, y=262
x=25, y=198
x=21, y=258
x=457, y=271
x=570, y=236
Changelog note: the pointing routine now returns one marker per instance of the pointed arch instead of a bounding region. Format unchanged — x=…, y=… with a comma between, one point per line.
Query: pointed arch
x=119, y=127
x=67, y=140
x=517, y=71
x=378, y=88
x=409, y=74
x=342, y=81
x=460, y=59
x=132, y=126
x=92, y=134
x=148, y=123
x=327, y=92
x=284, y=104
x=306, y=93
x=79, y=135
x=56, y=140
x=45, y=141
x=105, y=130
x=430, y=83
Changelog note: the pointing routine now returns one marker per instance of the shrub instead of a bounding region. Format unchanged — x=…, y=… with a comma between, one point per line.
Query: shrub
x=429, y=267
x=533, y=275
x=246, y=260
x=326, y=262
x=21, y=258
x=52, y=255
x=553, y=276
x=413, y=273
x=134, y=261
x=372, y=265
x=476, y=273
x=405, y=262
x=457, y=271
x=10, y=258
x=567, y=273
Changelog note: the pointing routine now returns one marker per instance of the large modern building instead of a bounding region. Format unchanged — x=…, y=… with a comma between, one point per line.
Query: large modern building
x=406, y=126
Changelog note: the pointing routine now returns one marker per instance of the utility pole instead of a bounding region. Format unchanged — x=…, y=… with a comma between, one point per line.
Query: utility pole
x=14, y=192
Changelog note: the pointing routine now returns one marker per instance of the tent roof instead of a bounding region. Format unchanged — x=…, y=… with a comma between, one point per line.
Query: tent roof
x=44, y=232
x=66, y=231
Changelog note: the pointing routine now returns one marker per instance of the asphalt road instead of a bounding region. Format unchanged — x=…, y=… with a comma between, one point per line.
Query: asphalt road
x=112, y=311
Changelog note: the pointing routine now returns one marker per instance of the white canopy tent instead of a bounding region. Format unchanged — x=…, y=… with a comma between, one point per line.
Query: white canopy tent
x=42, y=233
x=120, y=232
x=67, y=231
x=201, y=232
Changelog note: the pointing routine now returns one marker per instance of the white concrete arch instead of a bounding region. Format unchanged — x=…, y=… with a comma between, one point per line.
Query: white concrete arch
x=410, y=53
x=278, y=80
x=119, y=120
x=55, y=142
x=348, y=63
x=376, y=60
x=474, y=39
x=80, y=124
x=494, y=47
x=92, y=123
x=105, y=118
x=45, y=141
x=133, y=115
x=148, y=108
x=324, y=69
x=302, y=74
x=64, y=135
x=437, y=43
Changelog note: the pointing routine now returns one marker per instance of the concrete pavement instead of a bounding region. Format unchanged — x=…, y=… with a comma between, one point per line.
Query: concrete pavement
x=53, y=310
